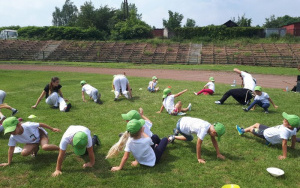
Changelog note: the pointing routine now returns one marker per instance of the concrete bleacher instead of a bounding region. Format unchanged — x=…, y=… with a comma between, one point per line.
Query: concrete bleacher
x=282, y=55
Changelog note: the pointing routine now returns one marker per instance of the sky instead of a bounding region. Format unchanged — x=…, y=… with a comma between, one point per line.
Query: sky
x=204, y=12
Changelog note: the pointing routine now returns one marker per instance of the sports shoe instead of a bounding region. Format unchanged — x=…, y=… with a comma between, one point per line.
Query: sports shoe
x=195, y=93
x=175, y=131
x=240, y=130
x=190, y=106
x=245, y=109
x=115, y=99
x=218, y=102
x=97, y=140
x=171, y=138
x=14, y=112
x=266, y=112
x=99, y=101
x=268, y=143
x=68, y=107
x=54, y=107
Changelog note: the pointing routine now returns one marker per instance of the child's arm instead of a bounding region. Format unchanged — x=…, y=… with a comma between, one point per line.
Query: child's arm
x=82, y=96
x=129, y=90
x=180, y=93
x=142, y=115
x=294, y=139
x=237, y=71
x=215, y=143
x=151, y=86
x=272, y=103
x=60, y=93
x=48, y=127
x=91, y=157
x=10, y=155
x=59, y=162
x=39, y=99
x=284, y=150
x=198, y=148
x=161, y=109
x=123, y=161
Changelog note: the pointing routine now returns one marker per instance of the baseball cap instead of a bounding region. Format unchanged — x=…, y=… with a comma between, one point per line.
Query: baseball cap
x=257, y=88
x=212, y=79
x=134, y=125
x=82, y=82
x=166, y=92
x=293, y=120
x=80, y=141
x=154, y=78
x=220, y=129
x=132, y=114
x=10, y=124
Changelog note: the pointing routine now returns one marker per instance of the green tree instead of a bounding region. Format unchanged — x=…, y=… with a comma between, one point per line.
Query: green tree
x=67, y=16
x=274, y=22
x=87, y=15
x=174, y=21
x=190, y=23
x=243, y=21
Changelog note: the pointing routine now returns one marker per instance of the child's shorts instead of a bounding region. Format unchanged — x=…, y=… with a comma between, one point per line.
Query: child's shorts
x=151, y=90
x=188, y=137
x=173, y=112
x=260, y=131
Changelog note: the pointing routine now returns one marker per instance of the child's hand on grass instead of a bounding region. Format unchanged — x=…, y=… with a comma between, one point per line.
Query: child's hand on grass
x=141, y=111
x=56, y=130
x=115, y=168
x=202, y=161
x=56, y=173
x=220, y=156
x=134, y=163
x=34, y=106
x=158, y=112
x=4, y=164
x=275, y=107
x=281, y=157
x=87, y=165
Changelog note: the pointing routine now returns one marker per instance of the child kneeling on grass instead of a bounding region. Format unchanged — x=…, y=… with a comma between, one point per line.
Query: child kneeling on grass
x=168, y=103
x=91, y=91
x=187, y=126
x=83, y=143
x=139, y=144
x=211, y=87
x=261, y=99
x=152, y=84
x=31, y=134
x=276, y=135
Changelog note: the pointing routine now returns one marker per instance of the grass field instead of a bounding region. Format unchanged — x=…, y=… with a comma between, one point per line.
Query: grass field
x=247, y=157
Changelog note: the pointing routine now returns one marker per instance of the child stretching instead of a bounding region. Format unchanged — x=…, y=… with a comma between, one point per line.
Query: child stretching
x=152, y=84
x=31, y=134
x=276, y=135
x=168, y=103
x=83, y=143
x=2, y=97
x=121, y=86
x=91, y=91
x=139, y=144
x=211, y=87
x=187, y=126
x=261, y=99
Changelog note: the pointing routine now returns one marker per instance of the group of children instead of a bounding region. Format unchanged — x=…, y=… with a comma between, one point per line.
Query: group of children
x=146, y=147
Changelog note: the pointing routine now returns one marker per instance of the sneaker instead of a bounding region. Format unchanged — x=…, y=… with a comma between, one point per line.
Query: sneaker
x=245, y=109
x=268, y=143
x=190, y=106
x=54, y=107
x=171, y=138
x=240, y=130
x=97, y=140
x=99, y=101
x=121, y=134
x=115, y=99
x=195, y=93
x=14, y=112
x=68, y=107
x=218, y=102
x=175, y=131
x=266, y=112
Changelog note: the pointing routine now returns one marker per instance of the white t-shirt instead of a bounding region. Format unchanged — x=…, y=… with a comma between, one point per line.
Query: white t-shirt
x=147, y=129
x=88, y=89
x=264, y=98
x=211, y=86
x=189, y=125
x=274, y=135
x=248, y=81
x=154, y=84
x=30, y=135
x=169, y=103
x=69, y=134
x=141, y=150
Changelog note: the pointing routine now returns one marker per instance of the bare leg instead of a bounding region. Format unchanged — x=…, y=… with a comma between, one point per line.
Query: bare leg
x=180, y=138
x=179, y=107
x=47, y=147
x=5, y=106
x=250, y=129
x=29, y=149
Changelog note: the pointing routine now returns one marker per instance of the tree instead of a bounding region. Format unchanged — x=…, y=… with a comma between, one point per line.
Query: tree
x=243, y=21
x=274, y=22
x=67, y=16
x=190, y=23
x=174, y=21
x=87, y=15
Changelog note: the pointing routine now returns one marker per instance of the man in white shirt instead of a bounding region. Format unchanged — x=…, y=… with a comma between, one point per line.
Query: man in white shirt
x=242, y=95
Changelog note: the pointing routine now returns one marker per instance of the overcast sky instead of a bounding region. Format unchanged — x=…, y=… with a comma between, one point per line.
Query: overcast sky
x=204, y=12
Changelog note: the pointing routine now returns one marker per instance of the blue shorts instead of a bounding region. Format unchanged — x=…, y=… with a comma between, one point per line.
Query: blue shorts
x=188, y=137
x=151, y=90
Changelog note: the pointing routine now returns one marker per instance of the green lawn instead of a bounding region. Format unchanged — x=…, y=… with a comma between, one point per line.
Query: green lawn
x=247, y=156
x=211, y=67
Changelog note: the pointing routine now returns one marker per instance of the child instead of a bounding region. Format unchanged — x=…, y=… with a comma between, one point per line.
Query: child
x=168, y=103
x=211, y=87
x=276, y=135
x=91, y=91
x=121, y=85
x=152, y=84
x=139, y=144
x=83, y=143
x=261, y=99
x=30, y=133
x=54, y=96
x=187, y=126
x=2, y=97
